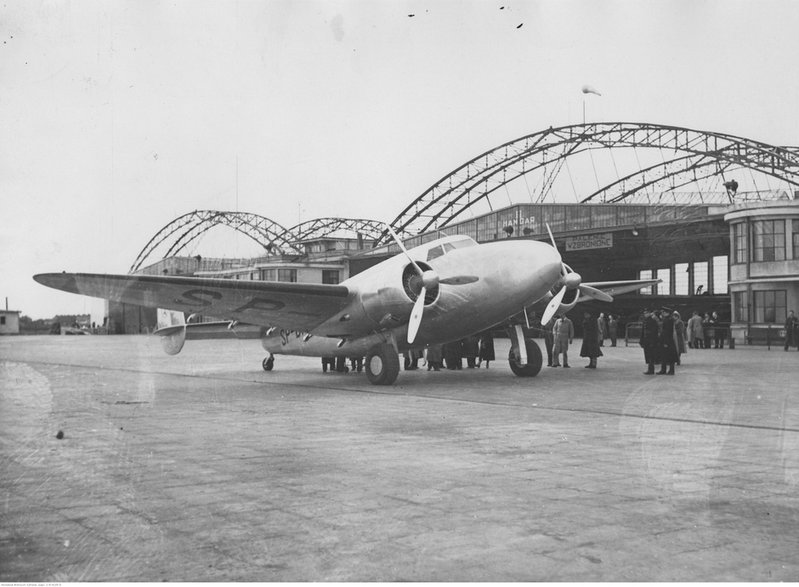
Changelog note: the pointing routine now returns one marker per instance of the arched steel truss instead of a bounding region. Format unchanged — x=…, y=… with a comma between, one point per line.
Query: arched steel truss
x=699, y=155
x=322, y=227
x=190, y=226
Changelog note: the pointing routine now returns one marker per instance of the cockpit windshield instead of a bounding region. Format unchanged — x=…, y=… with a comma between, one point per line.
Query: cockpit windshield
x=444, y=248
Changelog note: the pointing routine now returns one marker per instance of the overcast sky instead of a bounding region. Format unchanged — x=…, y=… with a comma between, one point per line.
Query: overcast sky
x=119, y=116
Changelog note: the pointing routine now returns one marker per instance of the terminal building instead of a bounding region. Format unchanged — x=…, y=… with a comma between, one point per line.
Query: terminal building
x=735, y=253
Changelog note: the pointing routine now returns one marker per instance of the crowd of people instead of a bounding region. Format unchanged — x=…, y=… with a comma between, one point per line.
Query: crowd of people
x=478, y=350
x=665, y=337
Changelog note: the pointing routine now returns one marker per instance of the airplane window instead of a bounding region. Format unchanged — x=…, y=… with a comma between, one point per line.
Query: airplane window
x=463, y=243
x=434, y=252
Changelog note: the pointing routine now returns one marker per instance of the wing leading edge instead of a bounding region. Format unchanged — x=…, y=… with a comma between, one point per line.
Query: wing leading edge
x=298, y=306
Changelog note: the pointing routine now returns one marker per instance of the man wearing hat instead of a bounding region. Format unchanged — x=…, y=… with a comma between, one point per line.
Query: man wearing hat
x=649, y=341
x=668, y=344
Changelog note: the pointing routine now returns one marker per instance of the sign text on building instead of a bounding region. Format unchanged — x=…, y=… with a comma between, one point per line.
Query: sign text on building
x=589, y=241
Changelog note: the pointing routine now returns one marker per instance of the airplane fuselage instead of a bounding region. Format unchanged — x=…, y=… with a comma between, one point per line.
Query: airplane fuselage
x=481, y=286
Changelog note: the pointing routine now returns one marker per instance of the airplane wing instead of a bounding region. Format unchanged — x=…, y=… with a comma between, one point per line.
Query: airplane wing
x=299, y=306
x=615, y=288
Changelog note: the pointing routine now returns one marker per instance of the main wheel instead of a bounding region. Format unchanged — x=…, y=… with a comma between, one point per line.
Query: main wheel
x=269, y=362
x=534, y=360
x=382, y=364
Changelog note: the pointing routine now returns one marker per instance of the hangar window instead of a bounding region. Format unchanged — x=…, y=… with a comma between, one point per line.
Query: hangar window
x=330, y=276
x=768, y=240
x=681, y=280
x=700, y=278
x=646, y=274
x=720, y=274
x=2, y=320
x=796, y=238
x=770, y=306
x=740, y=307
x=664, y=287
x=739, y=238
x=268, y=275
x=289, y=275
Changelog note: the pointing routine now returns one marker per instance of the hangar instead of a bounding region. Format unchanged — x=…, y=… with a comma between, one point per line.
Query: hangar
x=665, y=202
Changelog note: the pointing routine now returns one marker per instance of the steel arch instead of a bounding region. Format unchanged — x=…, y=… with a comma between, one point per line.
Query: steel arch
x=475, y=180
x=262, y=230
x=322, y=227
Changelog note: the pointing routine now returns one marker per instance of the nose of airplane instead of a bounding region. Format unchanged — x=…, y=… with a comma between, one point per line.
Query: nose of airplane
x=549, y=261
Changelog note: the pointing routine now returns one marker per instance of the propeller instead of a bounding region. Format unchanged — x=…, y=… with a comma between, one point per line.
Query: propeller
x=430, y=280
x=570, y=280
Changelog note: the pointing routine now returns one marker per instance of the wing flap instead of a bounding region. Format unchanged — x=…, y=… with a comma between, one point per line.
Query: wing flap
x=285, y=305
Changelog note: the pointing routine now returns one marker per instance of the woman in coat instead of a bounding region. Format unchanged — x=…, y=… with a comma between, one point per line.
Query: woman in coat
x=668, y=347
x=590, y=348
x=486, y=348
x=679, y=334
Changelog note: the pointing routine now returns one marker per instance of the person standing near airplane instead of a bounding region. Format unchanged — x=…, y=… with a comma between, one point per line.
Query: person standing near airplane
x=613, y=329
x=695, y=335
x=668, y=345
x=649, y=341
x=563, y=334
x=592, y=338
x=601, y=329
x=486, y=348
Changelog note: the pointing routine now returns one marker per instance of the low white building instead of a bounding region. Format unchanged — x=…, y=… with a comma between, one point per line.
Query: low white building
x=9, y=322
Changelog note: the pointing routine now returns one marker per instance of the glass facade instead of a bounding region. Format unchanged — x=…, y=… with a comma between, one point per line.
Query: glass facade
x=681, y=282
x=720, y=275
x=701, y=278
x=740, y=307
x=795, y=227
x=664, y=287
x=739, y=243
x=646, y=274
x=768, y=240
x=769, y=306
x=289, y=275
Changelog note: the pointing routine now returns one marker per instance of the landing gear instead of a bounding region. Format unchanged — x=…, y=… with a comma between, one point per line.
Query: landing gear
x=382, y=364
x=534, y=359
x=269, y=362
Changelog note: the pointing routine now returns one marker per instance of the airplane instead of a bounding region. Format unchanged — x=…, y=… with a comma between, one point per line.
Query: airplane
x=438, y=292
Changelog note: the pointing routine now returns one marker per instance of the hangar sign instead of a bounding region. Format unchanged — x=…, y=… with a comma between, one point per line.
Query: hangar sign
x=589, y=241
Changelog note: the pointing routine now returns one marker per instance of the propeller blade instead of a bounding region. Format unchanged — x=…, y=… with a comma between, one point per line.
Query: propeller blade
x=552, y=306
x=403, y=249
x=551, y=238
x=596, y=294
x=416, y=316
x=459, y=280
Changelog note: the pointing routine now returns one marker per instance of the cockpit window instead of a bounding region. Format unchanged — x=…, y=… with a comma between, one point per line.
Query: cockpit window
x=435, y=252
x=445, y=248
x=462, y=243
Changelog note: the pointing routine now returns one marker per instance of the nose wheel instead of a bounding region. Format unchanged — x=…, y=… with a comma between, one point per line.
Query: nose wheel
x=269, y=362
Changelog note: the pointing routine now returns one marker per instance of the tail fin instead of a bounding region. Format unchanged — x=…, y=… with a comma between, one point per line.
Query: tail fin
x=172, y=330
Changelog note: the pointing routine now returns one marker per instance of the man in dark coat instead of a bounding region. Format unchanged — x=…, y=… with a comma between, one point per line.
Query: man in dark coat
x=668, y=344
x=790, y=330
x=590, y=347
x=470, y=347
x=649, y=341
x=486, y=348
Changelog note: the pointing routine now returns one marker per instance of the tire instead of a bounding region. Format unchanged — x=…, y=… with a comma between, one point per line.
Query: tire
x=268, y=363
x=382, y=365
x=534, y=360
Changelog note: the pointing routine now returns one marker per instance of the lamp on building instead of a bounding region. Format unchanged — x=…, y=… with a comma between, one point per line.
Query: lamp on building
x=508, y=230
x=635, y=231
x=527, y=231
